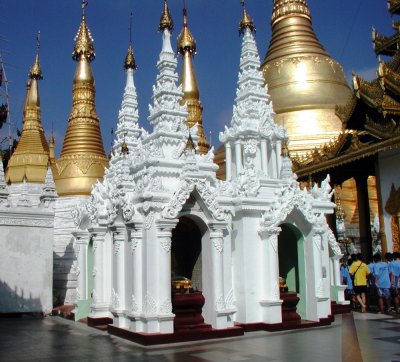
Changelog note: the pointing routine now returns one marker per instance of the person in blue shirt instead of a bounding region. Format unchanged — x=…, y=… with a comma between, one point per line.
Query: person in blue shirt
x=346, y=280
x=382, y=282
x=395, y=279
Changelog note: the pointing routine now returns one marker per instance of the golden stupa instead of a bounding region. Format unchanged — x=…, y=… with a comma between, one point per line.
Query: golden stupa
x=191, y=94
x=304, y=82
x=30, y=160
x=83, y=159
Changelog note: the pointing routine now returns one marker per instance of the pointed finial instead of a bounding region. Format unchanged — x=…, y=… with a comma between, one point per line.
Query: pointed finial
x=130, y=62
x=35, y=72
x=186, y=41
x=166, y=21
x=246, y=21
x=83, y=40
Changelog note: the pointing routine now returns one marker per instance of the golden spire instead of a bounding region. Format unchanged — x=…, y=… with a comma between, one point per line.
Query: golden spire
x=130, y=62
x=191, y=94
x=246, y=21
x=166, y=21
x=304, y=82
x=30, y=159
x=83, y=159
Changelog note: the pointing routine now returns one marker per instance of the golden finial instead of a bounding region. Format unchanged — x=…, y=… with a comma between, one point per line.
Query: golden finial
x=246, y=21
x=83, y=40
x=130, y=62
x=166, y=21
x=186, y=42
x=36, y=72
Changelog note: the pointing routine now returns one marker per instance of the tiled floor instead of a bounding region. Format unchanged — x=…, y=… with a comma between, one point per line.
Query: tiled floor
x=353, y=337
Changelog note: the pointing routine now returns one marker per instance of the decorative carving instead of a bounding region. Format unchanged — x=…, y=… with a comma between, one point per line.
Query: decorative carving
x=166, y=307
x=150, y=305
x=220, y=304
x=115, y=301
x=165, y=242
x=134, y=305
x=230, y=301
x=218, y=243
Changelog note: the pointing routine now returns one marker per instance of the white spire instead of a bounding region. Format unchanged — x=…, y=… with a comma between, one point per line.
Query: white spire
x=167, y=116
x=128, y=131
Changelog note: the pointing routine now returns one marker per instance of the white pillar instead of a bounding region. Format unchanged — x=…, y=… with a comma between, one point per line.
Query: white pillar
x=238, y=157
x=264, y=156
x=82, y=241
x=278, y=156
x=217, y=248
x=270, y=294
x=118, y=291
x=164, y=234
x=228, y=161
x=136, y=242
x=100, y=307
x=273, y=161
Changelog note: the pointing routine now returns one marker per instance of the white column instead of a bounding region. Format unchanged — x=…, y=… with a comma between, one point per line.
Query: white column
x=273, y=161
x=136, y=236
x=317, y=248
x=118, y=291
x=238, y=157
x=264, y=156
x=164, y=234
x=270, y=263
x=100, y=307
x=82, y=242
x=278, y=157
x=228, y=161
x=217, y=248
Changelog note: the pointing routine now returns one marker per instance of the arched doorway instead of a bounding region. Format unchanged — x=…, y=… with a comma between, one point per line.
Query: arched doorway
x=291, y=262
x=186, y=251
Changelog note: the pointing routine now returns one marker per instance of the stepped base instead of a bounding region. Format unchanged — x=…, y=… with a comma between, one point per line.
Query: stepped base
x=149, y=339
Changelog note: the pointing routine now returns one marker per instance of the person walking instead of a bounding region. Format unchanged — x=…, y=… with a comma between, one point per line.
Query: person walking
x=382, y=283
x=359, y=271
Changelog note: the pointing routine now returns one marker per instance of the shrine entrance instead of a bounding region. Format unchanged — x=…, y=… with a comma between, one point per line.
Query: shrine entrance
x=291, y=268
x=186, y=252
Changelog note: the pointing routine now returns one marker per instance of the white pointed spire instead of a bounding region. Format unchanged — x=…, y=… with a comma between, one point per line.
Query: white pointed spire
x=167, y=116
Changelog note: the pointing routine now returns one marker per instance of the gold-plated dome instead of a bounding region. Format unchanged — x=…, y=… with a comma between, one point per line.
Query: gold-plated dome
x=304, y=82
x=83, y=159
x=166, y=21
x=191, y=94
x=30, y=159
x=246, y=21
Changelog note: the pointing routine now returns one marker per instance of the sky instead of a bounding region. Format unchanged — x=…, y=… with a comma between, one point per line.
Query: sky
x=342, y=26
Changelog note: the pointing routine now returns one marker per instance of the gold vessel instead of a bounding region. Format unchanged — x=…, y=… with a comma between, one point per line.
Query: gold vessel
x=304, y=82
x=83, y=159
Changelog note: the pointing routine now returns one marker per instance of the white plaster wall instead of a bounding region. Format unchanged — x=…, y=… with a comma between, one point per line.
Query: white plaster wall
x=26, y=271
x=65, y=278
x=389, y=173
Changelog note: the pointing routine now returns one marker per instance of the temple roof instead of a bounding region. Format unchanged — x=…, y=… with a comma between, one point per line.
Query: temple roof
x=394, y=6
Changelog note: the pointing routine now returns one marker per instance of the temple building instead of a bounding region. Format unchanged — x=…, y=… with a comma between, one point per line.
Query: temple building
x=368, y=147
x=221, y=245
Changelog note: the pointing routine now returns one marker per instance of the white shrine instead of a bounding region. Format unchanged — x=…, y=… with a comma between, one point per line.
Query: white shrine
x=161, y=210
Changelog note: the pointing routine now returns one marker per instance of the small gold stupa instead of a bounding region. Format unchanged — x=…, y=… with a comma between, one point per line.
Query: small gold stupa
x=30, y=160
x=191, y=94
x=83, y=159
x=304, y=82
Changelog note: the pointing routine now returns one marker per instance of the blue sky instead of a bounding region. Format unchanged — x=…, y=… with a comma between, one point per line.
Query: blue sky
x=342, y=26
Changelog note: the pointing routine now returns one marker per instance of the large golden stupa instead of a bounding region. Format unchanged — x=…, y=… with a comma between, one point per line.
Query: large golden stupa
x=83, y=159
x=304, y=82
